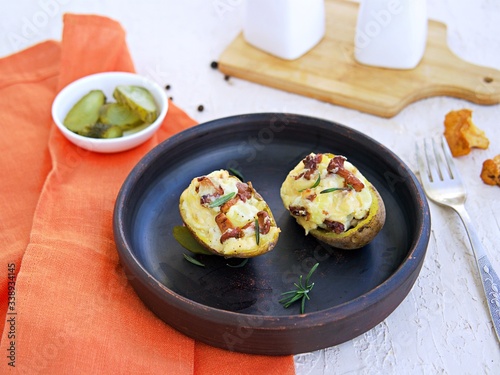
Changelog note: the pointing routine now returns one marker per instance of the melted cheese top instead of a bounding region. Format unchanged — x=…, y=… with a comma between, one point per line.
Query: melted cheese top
x=343, y=206
x=201, y=218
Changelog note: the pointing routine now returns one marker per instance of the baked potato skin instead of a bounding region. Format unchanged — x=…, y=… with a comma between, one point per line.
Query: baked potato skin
x=363, y=233
x=363, y=211
x=201, y=221
x=247, y=253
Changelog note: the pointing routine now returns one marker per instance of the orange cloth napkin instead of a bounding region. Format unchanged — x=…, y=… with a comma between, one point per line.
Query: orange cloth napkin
x=72, y=310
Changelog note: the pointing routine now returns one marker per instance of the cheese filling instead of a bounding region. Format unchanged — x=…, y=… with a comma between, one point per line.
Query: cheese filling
x=242, y=214
x=339, y=203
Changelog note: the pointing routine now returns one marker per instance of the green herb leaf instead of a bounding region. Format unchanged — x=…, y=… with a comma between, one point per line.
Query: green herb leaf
x=303, y=304
x=221, y=200
x=236, y=173
x=330, y=190
x=288, y=301
x=318, y=180
x=301, y=293
x=311, y=271
x=192, y=260
x=245, y=261
x=187, y=241
x=257, y=231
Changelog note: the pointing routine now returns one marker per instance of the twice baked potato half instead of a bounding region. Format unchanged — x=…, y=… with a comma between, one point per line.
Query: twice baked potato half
x=333, y=201
x=227, y=216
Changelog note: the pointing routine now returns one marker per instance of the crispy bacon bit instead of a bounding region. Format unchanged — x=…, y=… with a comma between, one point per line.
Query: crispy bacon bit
x=264, y=222
x=336, y=166
x=250, y=224
x=244, y=191
x=231, y=233
x=206, y=199
x=334, y=226
x=227, y=228
x=298, y=211
x=312, y=197
x=230, y=203
x=311, y=164
x=312, y=161
x=223, y=222
x=209, y=198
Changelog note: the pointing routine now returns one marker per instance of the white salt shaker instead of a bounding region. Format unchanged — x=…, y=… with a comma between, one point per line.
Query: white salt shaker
x=284, y=28
x=391, y=33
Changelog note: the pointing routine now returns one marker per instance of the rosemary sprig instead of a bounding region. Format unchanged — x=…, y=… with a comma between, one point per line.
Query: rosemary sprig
x=330, y=190
x=221, y=200
x=301, y=293
x=236, y=173
x=318, y=180
x=257, y=231
x=192, y=260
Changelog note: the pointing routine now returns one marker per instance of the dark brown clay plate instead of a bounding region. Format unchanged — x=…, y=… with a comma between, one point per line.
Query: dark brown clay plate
x=237, y=308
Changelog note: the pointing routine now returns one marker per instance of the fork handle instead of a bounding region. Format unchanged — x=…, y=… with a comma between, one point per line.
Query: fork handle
x=489, y=278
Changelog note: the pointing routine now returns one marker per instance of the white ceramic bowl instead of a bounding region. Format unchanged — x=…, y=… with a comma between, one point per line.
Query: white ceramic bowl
x=107, y=82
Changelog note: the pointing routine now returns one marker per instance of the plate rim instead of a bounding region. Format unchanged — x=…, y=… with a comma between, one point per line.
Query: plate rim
x=411, y=263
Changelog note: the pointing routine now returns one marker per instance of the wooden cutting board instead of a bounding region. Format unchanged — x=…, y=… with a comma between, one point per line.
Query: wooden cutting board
x=330, y=73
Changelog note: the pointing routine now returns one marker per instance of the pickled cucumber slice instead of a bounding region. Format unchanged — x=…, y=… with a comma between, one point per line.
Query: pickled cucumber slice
x=112, y=132
x=100, y=130
x=119, y=115
x=139, y=100
x=85, y=112
x=137, y=129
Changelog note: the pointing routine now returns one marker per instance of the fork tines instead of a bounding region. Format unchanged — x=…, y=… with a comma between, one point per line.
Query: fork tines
x=436, y=160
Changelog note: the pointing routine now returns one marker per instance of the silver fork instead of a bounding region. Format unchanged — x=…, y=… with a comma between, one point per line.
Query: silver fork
x=442, y=184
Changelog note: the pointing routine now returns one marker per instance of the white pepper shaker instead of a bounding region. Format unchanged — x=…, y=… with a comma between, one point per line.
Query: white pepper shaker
x=391, y=33
x=284, y=28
